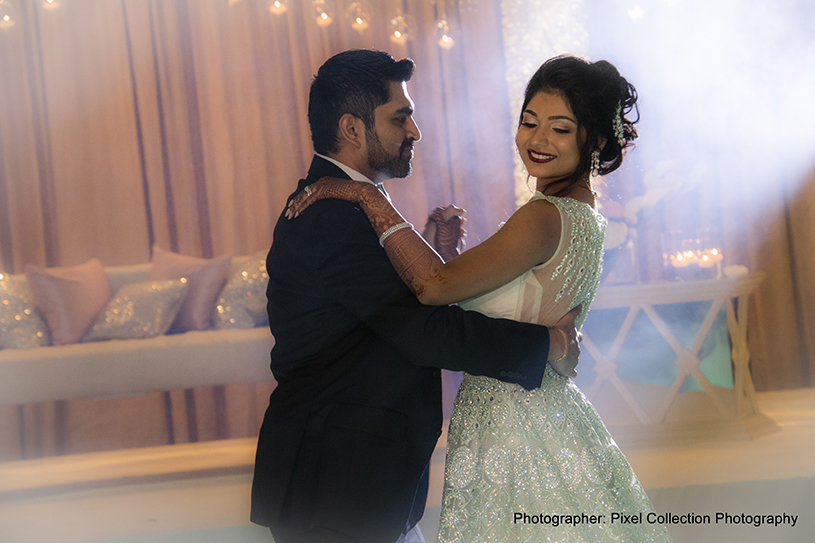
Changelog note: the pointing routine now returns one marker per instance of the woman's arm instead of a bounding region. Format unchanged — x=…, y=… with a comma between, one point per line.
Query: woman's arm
x=528, y=238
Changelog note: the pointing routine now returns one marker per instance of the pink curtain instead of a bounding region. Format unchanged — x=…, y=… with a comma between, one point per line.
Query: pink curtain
x=182, y=123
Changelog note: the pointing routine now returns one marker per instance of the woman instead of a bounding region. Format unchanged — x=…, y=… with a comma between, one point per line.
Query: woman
x=530, y=465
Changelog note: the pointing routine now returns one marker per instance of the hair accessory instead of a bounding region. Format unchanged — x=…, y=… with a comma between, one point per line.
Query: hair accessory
x=595, y=163
x=618, y=125
x=565, y=345
x=391, y=230
x=307, y=189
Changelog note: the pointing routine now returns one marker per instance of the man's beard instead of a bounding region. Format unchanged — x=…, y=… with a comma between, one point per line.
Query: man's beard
x=391, y=166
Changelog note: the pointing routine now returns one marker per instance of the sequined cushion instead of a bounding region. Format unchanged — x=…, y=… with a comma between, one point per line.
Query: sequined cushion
x=207, y=278
x=242, y=302
x=140, y=310
x=21, y=325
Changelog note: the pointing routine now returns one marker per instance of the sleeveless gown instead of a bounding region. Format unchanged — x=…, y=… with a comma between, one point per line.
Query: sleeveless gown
x=543, y=453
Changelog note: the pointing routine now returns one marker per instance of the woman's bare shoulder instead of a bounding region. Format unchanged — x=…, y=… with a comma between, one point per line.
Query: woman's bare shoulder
x=540, y=211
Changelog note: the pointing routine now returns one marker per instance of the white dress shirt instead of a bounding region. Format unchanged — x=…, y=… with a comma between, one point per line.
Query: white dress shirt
x=353, y=174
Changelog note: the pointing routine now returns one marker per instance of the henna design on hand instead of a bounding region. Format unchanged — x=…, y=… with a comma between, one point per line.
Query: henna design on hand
x=449, y=233
x=327, y=188
x=412, y=258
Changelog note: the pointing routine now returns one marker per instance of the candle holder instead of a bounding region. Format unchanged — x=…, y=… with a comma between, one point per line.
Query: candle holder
x=691, y=257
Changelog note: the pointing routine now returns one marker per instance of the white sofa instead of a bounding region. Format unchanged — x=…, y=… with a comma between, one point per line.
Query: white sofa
x=134, y=366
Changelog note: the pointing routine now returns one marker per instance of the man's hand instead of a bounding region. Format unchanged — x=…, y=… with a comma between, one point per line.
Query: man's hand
x=565, y=365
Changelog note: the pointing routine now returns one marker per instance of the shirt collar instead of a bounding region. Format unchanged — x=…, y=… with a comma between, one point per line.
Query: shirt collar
x=349, y=171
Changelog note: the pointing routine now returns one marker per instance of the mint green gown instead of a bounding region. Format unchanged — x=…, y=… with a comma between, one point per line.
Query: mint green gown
x=543, y=453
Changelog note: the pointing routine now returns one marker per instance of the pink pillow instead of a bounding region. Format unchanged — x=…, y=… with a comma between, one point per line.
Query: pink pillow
x=69, y=297
x=205, y=277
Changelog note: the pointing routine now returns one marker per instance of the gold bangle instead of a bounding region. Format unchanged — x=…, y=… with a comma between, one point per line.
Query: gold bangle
x=565, y=346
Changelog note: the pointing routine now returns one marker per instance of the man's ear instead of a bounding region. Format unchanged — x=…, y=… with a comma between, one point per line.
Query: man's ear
x=352, y=131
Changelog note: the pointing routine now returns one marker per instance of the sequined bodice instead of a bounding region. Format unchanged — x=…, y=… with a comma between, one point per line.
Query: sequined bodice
x=545, y=293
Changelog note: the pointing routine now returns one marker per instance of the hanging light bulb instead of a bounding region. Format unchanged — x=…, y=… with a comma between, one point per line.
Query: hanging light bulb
x=359, y=24
x=278, y=7
x=6, y=18
x=445, y=36
x=324, y=17
x=358, y=13
x=50, y=5
x=398, y=29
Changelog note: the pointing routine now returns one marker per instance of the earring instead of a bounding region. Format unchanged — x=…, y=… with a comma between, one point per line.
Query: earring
x=595, y=163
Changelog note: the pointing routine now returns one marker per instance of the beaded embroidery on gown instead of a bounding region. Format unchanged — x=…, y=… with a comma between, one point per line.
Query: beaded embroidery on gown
x=543, y=452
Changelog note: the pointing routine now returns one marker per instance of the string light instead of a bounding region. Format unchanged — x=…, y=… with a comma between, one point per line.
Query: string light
x=358, y=14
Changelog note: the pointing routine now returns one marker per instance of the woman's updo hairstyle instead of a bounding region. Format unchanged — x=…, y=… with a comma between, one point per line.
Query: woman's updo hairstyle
x=594, y=91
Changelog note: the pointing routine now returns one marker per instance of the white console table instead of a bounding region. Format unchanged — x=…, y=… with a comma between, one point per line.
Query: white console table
x=731, y=294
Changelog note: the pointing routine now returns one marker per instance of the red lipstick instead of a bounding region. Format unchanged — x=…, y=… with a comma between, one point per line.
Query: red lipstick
x=539, y=158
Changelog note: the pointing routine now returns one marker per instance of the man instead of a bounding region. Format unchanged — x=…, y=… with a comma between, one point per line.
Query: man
x=344, y=448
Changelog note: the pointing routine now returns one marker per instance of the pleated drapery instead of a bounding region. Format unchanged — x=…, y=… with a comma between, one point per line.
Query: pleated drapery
x=126, y=124
x=182, y=123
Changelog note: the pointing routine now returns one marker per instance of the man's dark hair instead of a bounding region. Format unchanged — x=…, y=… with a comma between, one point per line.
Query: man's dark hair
x=355, y=82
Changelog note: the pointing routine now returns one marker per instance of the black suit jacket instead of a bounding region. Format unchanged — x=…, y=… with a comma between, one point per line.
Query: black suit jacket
x=356, y=414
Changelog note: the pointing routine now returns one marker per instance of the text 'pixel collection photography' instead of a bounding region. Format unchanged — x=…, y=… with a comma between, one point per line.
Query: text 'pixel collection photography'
x=555, y=520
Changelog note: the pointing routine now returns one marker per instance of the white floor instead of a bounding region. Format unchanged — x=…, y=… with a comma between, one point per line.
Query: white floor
x=200, y=492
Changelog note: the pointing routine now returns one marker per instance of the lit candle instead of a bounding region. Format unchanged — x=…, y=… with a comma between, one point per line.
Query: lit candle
x=690, y=257
x=679, y=261
x=278, y=7
x=50, y=5
x=706, y=261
